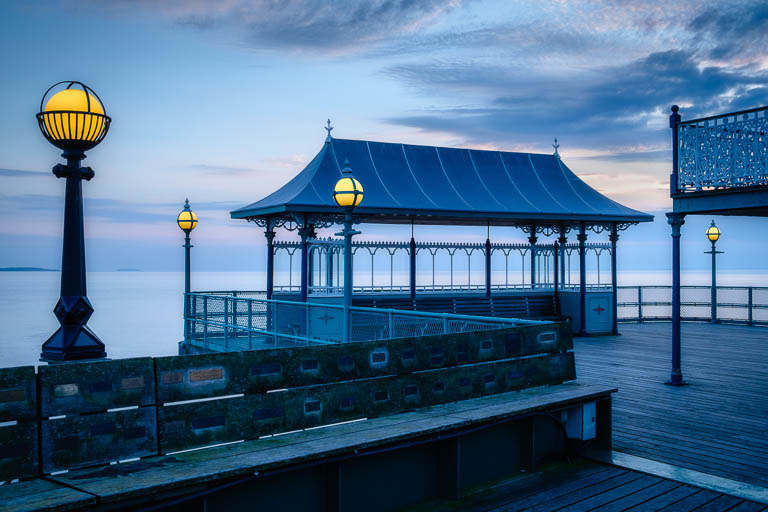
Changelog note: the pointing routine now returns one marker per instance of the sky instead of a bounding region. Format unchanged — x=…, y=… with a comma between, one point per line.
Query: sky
x=223, y=102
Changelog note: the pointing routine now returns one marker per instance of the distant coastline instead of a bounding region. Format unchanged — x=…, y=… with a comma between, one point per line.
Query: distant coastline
x=26, y=269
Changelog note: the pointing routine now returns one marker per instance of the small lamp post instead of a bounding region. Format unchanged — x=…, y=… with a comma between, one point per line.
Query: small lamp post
x=74, y=120
x=713, y=235
x=348, y=193
x=187, y=221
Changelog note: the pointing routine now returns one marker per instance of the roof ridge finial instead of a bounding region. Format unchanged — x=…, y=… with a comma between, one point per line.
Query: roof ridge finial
x=328, y=128
x=556, y=146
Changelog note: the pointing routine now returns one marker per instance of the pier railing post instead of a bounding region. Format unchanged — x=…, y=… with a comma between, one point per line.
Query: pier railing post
x=205, y=321
x=250, y=324
x=749, y=306
x=226, y=323
x=391, y=320
x=639, y=304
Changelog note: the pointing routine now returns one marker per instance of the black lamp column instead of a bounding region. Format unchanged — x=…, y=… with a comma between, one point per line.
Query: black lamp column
x=676, y=220
x=73, y=339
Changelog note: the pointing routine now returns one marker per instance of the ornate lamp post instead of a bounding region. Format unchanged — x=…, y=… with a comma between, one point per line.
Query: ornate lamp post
x=348, y=193
x=74, y=120
x=187, y=221
x=713, y=235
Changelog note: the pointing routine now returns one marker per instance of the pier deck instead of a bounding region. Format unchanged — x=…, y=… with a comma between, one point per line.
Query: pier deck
x=717, y=424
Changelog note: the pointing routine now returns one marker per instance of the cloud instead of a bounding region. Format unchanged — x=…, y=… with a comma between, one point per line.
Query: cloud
x=609, y=106
x=732, y=31
x=18, y=173
x=344, y=26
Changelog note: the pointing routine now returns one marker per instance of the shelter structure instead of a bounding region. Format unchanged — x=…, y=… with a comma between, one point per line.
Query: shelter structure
x=427, y=185
x=719, y=167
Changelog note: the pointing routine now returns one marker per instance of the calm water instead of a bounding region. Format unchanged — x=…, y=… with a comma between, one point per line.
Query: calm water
x=139, y=313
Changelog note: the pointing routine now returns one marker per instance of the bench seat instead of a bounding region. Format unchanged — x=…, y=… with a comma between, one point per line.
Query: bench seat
x=159, y=478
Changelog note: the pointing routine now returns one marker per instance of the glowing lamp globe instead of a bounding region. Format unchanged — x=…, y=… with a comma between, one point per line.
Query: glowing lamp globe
x=713, y=232
x=74, y=118
x=187, y=219
x=348, y=192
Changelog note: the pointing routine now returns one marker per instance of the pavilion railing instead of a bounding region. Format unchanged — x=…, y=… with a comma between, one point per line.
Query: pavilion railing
x=513, y=260
x=723, y=152
x=223, y=321
x=735, y=304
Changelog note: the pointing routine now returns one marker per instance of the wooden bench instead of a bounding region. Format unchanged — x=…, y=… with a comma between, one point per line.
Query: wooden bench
x=425, y=417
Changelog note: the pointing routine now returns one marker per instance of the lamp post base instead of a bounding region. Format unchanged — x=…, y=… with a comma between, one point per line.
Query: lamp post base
x=73, y=340
x=676, y=379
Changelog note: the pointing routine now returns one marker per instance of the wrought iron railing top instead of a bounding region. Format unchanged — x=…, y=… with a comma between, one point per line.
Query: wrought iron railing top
x=220, y=321
x=722, y=152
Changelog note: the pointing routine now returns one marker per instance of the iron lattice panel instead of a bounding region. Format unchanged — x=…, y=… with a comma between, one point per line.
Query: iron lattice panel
x=728, y=151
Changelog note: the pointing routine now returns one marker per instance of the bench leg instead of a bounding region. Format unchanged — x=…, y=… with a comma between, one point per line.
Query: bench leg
x=527, y=445
x=449, y=469
x=332, y=487
x=604, y=428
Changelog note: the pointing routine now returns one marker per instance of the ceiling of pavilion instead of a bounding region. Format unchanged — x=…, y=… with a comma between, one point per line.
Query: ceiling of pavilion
x=404, y=183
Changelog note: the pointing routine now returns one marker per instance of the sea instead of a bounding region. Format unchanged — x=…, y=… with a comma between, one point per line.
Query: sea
x=140, y=313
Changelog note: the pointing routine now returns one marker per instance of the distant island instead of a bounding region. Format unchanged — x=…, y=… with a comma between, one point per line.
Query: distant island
x=128, y=270
x=26, y=269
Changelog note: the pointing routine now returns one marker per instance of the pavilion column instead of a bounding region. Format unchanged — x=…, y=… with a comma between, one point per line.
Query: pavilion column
x=488, y=267
x=676, y=220
x=562, y=240
x=269, y=233
x=614, y=238
x=555, y=251
x=582, y=238
x=532, y=240
x=412, y=267
x=329, y=267
x=304, y=233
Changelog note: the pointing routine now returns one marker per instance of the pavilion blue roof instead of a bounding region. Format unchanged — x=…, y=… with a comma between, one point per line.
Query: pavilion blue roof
x=404, y=183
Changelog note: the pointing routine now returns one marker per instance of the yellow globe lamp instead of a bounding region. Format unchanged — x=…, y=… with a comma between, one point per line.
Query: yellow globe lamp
x=187, y=219
x=713, y=233
x=74, y=118
x=348, y=192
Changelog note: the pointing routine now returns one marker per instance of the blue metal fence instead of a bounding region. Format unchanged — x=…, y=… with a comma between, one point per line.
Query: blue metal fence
x=230, y=320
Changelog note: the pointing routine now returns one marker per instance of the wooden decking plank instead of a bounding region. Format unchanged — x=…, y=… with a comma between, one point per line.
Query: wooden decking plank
x=722, y=502
x=692, y=502
x=615, y=494
x=641, y=496
x=716, y=425
x=663, y=500
x=39, y=494
x=581, y=494
x=748, y=506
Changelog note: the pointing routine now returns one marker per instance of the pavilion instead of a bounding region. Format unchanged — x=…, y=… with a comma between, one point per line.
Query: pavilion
x=427, y=185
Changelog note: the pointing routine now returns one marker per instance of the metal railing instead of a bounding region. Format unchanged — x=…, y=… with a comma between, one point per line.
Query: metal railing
x=735, y=304
x=228, y=321
x=723, y=152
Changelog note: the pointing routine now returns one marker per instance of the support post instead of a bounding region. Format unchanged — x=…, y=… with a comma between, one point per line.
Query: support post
x=555, y=251
x=713, y=288
x=532, y=240
x=674, y=120
x=487, y=267
x=187, y=247
x=304, y=234
x=347, y=233
x=269, y=233
x=412, y=269
x=582, y=238
x=614, y=238
x=73, y=339
x=676, y=220
x=749, y=306
x=329, y=268
x=562, y=240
